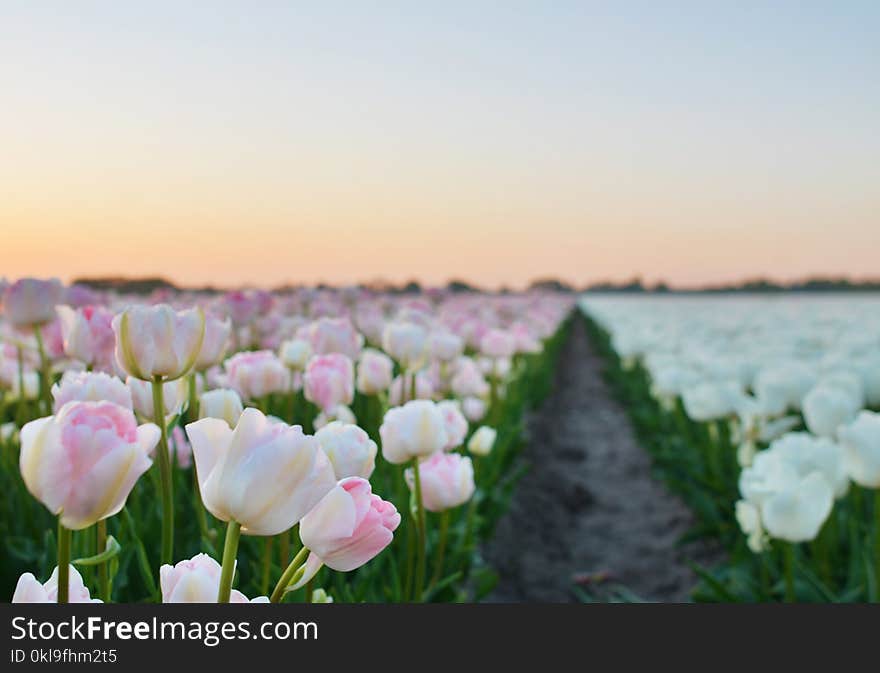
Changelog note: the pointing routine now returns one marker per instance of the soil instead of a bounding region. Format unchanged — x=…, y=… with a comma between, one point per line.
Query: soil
x=588, y=512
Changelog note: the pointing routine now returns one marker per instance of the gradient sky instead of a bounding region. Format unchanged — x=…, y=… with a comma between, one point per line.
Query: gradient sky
x=264, y=142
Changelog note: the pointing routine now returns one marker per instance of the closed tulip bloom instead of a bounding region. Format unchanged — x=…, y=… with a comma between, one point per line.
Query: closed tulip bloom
x=215, y=343
x=498, y=343
x=407, y=343
x=861, y=449
x=295, y=353
x=30, y=302
x=796, y=512
x=87, y=334
x=263, y=475
x=456, y=423
x=468, y=380
x=90, y=387
x=174, y=397
x=332, y=335
x=349, y=449
x=329, y=380
x=83, y=462
x=416, y=429
x=482, y=441
x=474, y=408
x=196, y=580
x=222, y=403
x=347, y=528
x=374, y=372
x=447, y=481
x=157, y=341
x=29, y=590
x=256, y=374
x=445, y=346
x=827, y=407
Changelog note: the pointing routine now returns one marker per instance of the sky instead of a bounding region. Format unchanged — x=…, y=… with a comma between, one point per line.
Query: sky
x=264, y=143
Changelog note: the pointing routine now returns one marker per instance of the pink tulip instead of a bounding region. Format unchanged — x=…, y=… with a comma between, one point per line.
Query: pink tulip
x=329, y=380
x=215, y=343
x=157, y=341
x=474, y=408
x=347, y=528
x=374, y=372
x=87, y=335
x=196, y=580
x=83, y=462
x=90, y=387
x=30, y=302
x=468, y=380
x=241, y=307
x=445, y=345
x=456, y=423
x=349, y=449
x=497, y=343
x=29, y=590
x=447, y=481
x=406, y=342
x=332, y=335
x=255, y=374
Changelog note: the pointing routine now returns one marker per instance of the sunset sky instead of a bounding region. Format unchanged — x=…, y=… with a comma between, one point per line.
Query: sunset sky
x=271, y=142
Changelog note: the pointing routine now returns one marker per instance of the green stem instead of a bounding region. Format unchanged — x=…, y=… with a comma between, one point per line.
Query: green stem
x=103, y=569
x=164, y=462
x=287, y=575
x=284, y=546
x=292, y=401
x=21, y=413
x=207, y=534
x=876, y=597
x=64, y=536
x=420, y=547
x=45, y=375
x=441, y=549
x=789, y=571
x=193, y=404
x=227, y=570
x=310, y=590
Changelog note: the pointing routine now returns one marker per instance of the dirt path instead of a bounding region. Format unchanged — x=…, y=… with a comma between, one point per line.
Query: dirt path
x=589, y=503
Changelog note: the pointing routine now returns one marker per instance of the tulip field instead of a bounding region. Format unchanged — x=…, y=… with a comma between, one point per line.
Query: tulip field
x=306, y=445
x=761, y=412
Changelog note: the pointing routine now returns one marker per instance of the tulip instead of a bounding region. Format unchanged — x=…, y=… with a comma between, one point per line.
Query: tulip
x=447, y=481
x=157, y=342
x=827, y=407
x=474, y=408
x=445, y=346
x=30, y=302
x=861, y=449
x=374, y=372
x=338, y=413
x=346, y=529
x=256, y=374
x=414, y=430
x=329, y=380
x=29, y=590
x=332, y=335
x=181, y=448
x=468, y=380
x=498, y=343
x=349, y=449
x=215, y=342
x=196, y=580
x=82, y=462
x=295, y=353
x=261, y=477
x=222, y=403
x=87, y=334
x=482, y=441
x=174, y=398
x=90, y=387
x=456, y=423
x=407, y=343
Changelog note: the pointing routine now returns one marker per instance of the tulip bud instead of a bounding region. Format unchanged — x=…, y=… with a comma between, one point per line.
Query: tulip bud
x=256, y=374
x=30, y=302
x=447, y=481
x=29, y=590
x=374, y=372
x=321, y=596
x=295, y=353
x=413, y=430
x=222, y=403
x=482, y=441
x=157, y=341
x=90, y=387
x=338, y=413
x=83, y=462
x=87, y=334
x=174, y=397
x=456, y=424
x=215, y=343
x=347, y=528
x=262, y=475
x=474, y=408
x=196, y=580
x=349, y=449
x=329, y=380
